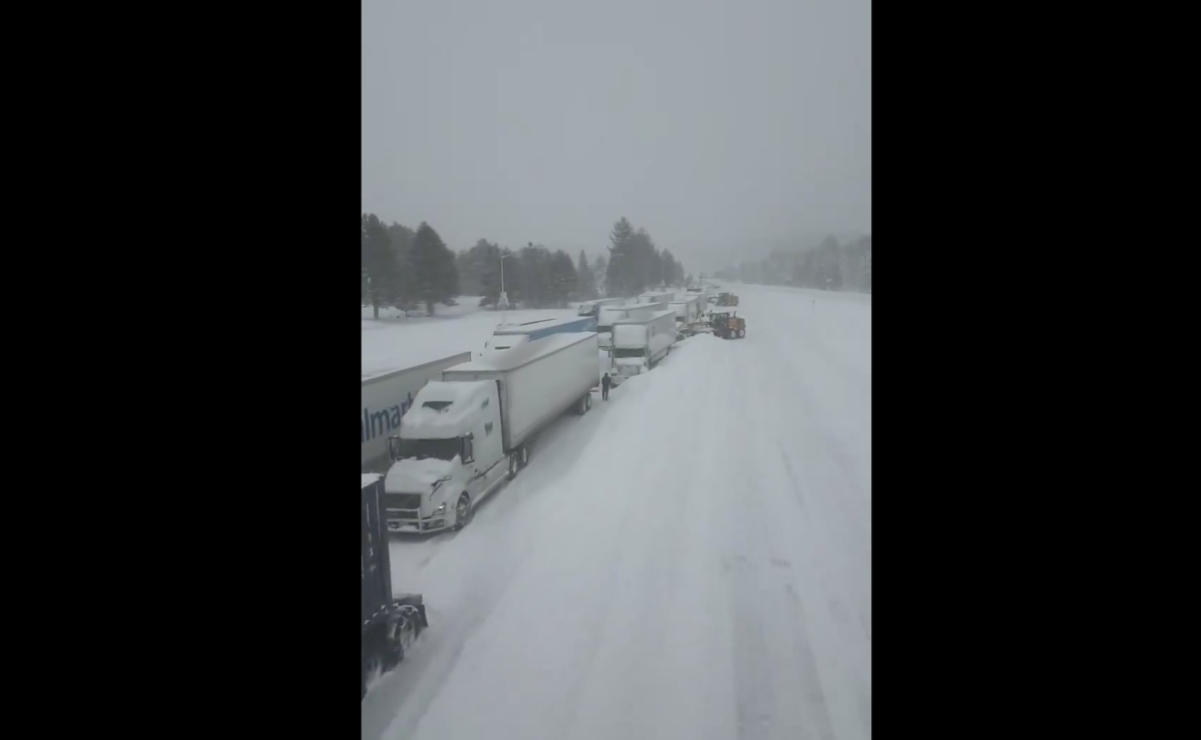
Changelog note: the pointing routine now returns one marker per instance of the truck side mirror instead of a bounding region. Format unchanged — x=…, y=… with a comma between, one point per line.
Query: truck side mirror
x=468, y=452
x=394, y=447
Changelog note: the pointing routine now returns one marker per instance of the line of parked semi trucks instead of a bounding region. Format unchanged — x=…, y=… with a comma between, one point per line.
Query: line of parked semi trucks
x=439, y=437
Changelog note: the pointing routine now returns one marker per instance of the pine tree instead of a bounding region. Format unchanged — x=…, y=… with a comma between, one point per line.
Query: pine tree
x=621, y=278
x=587, y=282
x=378, y=264
x=479, y=270
x=398, y=290
x=600, y=270
x=535, y=276
x=647, y=267
x=564, y=281
x=673, y=271
x=435, y=277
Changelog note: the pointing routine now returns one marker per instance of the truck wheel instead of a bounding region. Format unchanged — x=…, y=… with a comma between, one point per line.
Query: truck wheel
x=514, y=465
x=462, y=511
x=525, y=456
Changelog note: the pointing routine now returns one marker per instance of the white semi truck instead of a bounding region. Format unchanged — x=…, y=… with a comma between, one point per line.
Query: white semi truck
x=610, y=314
x=386, y=398
x=640, y=343
x=474, y=428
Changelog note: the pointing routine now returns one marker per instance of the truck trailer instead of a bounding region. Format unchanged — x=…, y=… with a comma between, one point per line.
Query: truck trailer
x=592, y=308
x=688, y=310
x=610, y=314
x=702, y=291
x=386, y=398
x=390, y=622
x=638, y=344
x=474, y=428
x=508, y=336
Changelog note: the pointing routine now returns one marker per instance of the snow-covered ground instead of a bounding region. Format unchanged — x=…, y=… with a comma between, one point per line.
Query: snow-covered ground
x=690, y=560
x=393, y=342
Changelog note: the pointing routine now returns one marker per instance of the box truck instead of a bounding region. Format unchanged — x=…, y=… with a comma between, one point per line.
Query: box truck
x=473, y=429
x=610, y=314
x=638, y=344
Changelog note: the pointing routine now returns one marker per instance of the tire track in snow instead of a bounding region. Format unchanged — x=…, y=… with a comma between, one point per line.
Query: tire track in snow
x=844, y=386
x=774, y=665
x=754, y=687
x=831, y=483
x=818, y=431
x=828, y=550
x=639, y=634
x=848, y=653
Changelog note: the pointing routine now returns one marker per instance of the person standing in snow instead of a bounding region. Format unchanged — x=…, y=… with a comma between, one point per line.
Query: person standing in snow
x=605, y=382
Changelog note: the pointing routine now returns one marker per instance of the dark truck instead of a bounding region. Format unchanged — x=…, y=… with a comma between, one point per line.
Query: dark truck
x=390, y=622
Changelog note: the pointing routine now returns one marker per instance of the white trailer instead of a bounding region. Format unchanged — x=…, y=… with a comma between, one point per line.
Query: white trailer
x=688, y=310
x=638, y=344
x=508, y=336
x=659, y=296
x=702, y=291
x=610, y=314
x=592, y=308
x=468, y=432
x=386, y=398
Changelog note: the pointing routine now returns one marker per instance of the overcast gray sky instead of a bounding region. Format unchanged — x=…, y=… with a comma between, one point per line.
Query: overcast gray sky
x=706, y=122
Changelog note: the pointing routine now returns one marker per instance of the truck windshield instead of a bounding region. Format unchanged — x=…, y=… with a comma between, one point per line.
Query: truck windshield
x=420, y=449
x=634, y=352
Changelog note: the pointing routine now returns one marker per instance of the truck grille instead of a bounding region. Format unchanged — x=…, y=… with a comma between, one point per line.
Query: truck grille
x=402, y=501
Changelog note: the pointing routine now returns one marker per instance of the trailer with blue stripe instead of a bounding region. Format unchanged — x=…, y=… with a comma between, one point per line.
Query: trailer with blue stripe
x=507, y=336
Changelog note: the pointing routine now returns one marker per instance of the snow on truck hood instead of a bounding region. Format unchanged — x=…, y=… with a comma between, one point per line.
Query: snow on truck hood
x=417, y=476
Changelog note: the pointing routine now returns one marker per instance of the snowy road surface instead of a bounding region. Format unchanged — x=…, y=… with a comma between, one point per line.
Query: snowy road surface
x=690, y=560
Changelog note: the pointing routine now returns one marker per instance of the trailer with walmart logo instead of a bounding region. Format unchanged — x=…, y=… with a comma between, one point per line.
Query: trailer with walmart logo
x=386, y=398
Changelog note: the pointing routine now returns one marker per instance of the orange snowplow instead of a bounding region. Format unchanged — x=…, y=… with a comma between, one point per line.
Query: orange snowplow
x=727, y=325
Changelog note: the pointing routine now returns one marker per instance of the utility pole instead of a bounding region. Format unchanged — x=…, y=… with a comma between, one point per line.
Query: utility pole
x=504, y=299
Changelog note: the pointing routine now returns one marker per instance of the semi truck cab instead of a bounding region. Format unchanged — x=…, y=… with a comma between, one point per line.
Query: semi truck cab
x=449, y=454
x=630, y=361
